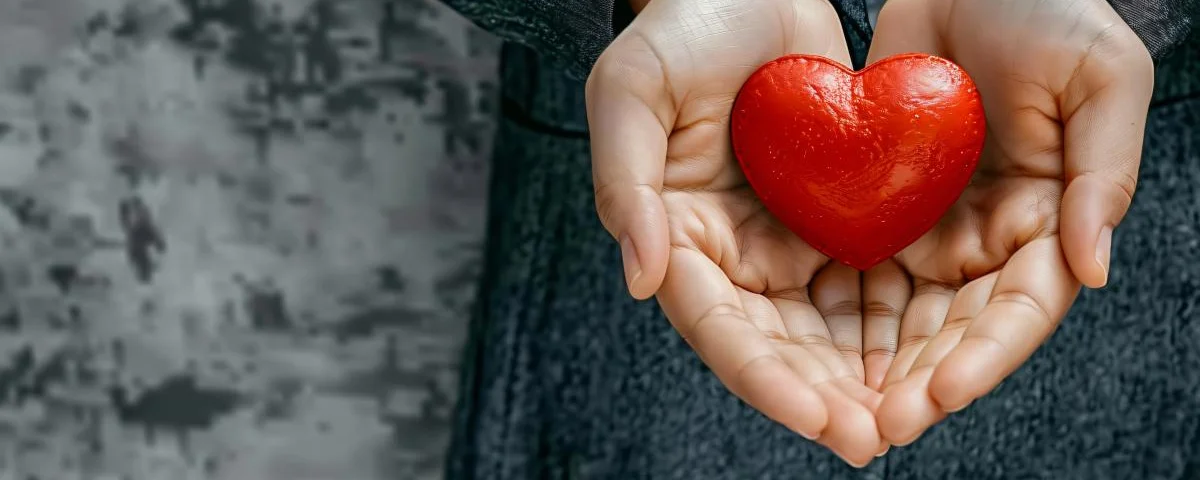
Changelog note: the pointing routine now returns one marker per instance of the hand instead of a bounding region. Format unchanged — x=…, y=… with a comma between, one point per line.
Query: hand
x=1066, y=86
x=780, y=325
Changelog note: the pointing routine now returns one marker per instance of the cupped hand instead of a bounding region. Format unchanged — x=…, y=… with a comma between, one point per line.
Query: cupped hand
x=1066, y=86
x=781, y=326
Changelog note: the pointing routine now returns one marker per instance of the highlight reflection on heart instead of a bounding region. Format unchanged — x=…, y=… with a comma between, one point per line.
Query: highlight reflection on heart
x=858, y=164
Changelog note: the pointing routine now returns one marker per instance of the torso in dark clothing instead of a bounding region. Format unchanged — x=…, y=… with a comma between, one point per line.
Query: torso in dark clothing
x=568, y=378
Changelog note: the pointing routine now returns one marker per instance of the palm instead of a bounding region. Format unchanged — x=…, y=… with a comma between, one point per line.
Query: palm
x=778, y=323
x=996, y=275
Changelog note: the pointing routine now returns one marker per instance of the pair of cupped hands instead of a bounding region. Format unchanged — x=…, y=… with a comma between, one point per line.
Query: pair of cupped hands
x=860, y=361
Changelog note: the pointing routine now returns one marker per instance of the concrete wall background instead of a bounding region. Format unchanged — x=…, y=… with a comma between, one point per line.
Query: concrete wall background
x=238, y=238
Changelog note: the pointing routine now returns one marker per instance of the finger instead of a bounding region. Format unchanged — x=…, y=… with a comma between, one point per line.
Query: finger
x=817, y=31
x=629, y=118
x=886, y=291
x=907, y=409
x=704, y=307
x=903, y=26
x=837, y=296
x=922, y=319
x=752, y=263
x=806, y=329
x=1032, y=294
x=860, y=393
x=967, y=304
x=851, y=433
x=1105, y=119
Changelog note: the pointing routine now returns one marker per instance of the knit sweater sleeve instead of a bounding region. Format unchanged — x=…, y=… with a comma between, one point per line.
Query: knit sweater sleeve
x=568, y=34
x=571, y=34
x=1161, y=24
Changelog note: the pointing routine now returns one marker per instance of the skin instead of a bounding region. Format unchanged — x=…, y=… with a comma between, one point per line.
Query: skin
x=1066, y=86
x=781, y=326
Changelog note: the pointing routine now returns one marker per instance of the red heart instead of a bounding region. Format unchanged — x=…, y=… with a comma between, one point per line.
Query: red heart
x=858, y=164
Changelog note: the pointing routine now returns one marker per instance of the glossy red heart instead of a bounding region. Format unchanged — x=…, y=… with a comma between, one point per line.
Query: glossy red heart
x=858, y=164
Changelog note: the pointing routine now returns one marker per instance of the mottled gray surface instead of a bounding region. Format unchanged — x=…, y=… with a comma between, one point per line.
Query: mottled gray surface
x=239, y=237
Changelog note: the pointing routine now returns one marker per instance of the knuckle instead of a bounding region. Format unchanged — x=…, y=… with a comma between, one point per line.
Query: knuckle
x=794, y=294
x=810, y=340
x=629, y=63
x=956, y=323
x=849, y=350
x=1115, y=50
x=934, y=289
x=1026, y=301
x=1126, y=182
x=878, y=308
x=843, y=308
x=912, y=341
x=605, y=205
x=721, y=310
x=609, y=197
x=1118, y=186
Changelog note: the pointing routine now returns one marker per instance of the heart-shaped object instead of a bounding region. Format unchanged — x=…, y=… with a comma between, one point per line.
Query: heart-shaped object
x=858, y=164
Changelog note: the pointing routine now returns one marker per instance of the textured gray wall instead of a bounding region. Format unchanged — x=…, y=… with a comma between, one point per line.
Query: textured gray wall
x=237, y=237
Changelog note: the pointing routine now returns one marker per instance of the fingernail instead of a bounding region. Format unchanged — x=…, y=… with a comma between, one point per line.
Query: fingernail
x=884, y=452
x=1103, y=250
x=633, y=269
x=809, y=436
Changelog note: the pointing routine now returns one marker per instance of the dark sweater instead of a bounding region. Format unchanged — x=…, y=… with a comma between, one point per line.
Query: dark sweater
x=571, y=34
x=567, y=378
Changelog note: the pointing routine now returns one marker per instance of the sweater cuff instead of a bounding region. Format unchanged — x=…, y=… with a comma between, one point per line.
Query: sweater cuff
x=568, y=34
x=1161, y=24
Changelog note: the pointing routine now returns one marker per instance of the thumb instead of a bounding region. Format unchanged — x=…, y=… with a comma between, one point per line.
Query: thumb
x=1102, y=151
x=629, y=117
x=904, y=26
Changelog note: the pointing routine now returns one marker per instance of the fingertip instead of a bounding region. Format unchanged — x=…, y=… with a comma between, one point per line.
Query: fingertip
x=1086, y=252
x=775, y=390
x=1079, y=251
x=967, y=373
x=1092, y=205
x=854, y=436
x=861, y=393
x=811, y=422
x=908, y=410
x=645, y=249
x=649, y=279
x=853, y=462
x=877, y=366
